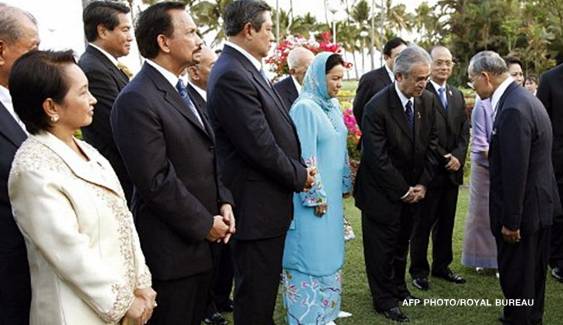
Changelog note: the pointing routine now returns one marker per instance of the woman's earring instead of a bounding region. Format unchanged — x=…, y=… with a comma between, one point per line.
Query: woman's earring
x=54, y=118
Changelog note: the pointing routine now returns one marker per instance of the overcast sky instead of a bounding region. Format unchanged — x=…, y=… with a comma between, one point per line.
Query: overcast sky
x=60, y=21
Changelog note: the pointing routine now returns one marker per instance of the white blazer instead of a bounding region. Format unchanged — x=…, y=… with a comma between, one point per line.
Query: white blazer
x=84, y=255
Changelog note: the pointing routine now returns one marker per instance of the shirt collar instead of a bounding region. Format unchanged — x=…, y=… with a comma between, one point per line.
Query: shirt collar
x=404, y=98
x=497, y=94
x=106, y=53
x=201, y=92
x=297, y=85
x=256, y=63
x=6, y=100
x=437, y=86
x=171, y=77
x=390, y=73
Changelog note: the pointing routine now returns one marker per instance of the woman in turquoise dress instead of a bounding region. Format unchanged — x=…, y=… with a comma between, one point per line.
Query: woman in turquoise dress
x=314, y=245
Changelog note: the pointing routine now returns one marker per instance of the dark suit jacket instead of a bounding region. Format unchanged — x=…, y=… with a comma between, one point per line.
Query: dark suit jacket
x=199, y=102
x=523, y=192
x=287, y=91
x=11, y=137
x=258, y=148
x=550, y=93
x=393, y=158
x=370, y=84
x=105, y=81
x=453, y=135
x=171, y=159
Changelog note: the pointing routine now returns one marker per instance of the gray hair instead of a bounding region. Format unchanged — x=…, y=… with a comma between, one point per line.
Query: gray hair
x=488, y=61
x=409, y=57
x=295, y=56
x=10, y=22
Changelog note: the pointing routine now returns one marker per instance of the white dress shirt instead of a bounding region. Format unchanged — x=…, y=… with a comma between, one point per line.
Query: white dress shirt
x=390, y=73
x=404, y=99
x=497, y=94
x=106, y=53
x=201, y=92
x=256, y=63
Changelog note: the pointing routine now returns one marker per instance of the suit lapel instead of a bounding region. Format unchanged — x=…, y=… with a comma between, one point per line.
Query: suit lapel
x=172, y=97
x=500, y=104
x=442, y=111
x=10, y=128
x=78, y=166
x=419, y=112
x=201, y=106
x=398, y=113
x=115, y=71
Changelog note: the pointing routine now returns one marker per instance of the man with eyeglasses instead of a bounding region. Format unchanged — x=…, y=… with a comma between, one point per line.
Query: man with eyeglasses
x=437, y=211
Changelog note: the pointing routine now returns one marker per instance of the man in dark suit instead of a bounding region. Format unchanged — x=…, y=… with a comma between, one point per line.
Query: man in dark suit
x=107, y=27
x=259, y=155
x=374, y=81
x=223, y=272
x=179, y=203
x=18, y=35
x=437, y=212
x=551, y=95
x=523, y=192
x=298, y=60
x=397, y=164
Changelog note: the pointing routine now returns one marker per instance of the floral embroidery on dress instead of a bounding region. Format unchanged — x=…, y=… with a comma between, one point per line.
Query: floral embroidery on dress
x=123, y=300
x=316, y=195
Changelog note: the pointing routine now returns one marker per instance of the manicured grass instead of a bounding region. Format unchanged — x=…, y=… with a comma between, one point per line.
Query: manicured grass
x=357, y=299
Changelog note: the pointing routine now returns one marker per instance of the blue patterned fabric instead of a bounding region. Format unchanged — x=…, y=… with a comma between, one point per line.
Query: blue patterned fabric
x=314, y=246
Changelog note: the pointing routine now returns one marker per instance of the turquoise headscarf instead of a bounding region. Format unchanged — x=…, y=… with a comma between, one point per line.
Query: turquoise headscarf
x=314, y=83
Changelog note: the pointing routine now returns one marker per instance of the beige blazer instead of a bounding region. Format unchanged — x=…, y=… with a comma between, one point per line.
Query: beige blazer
x=83, y=250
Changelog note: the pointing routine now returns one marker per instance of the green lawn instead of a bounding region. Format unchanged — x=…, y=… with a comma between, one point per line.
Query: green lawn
x=357, y=300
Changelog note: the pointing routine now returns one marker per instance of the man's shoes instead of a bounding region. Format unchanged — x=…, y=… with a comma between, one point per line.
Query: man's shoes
x=395, y=314
x=215, y=319
x=449, y=276
x=226, y=307
x=557, y=273
x=421, y=283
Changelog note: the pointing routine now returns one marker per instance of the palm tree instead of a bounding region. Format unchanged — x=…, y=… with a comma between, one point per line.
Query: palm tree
x=209, y=14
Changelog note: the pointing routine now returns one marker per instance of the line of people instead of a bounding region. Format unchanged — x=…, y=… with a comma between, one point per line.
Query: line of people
x=195, y=142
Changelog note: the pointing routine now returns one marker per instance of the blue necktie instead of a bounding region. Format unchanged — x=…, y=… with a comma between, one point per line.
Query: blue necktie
x=183, y=91
x=443, y=99
x=410, y=114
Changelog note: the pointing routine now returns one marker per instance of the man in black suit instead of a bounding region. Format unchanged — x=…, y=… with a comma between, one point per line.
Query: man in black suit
x=179, y=203
x=18, y=35
x=399, y=144
x=551, y=95
x=298, y=60
x=259, y=155
x=107, y=27
x=374, y=81
x=523, y=193
x=437, y=212
x=223, y=272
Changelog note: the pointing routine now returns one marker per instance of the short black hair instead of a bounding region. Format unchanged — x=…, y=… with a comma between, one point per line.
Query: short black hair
x=332, y=61
x=101, y=13
x=239, y=13
x=393, y=43
x=36, y=76
x=532, y=78
x=513, y=60
x=154, y=21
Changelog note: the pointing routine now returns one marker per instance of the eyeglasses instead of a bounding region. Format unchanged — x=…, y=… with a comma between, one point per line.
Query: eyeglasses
x=472, y=81
x=447, y=63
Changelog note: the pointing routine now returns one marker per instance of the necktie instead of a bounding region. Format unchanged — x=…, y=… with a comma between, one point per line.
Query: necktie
x=443, y=99
x=410, y=114
x=183, y=91
x=124, y=69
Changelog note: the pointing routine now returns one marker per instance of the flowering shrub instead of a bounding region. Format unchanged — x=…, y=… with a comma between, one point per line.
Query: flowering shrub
x=278, y=60
x=354, y=133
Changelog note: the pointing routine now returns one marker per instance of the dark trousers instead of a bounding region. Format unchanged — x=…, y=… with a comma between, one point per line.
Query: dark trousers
x=522, y=267
x=385, y=252
x=182, y=301
x=436, y=216
x=258, y=265
x=15, y=288
x=556, y=258
x=223, y=273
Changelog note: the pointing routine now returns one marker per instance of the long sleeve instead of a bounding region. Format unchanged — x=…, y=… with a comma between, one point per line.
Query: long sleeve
x=141, y=142
x=250, y=132
x=307, y=125
x=462, y=141
x=480, y=128
x=45, y=214
x=347, y=176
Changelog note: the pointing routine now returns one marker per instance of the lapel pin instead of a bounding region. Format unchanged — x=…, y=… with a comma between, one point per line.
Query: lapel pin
x=450, y=92
x=418, y=116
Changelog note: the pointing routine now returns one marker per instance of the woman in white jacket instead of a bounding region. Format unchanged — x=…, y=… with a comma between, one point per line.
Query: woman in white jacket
x=85, y=259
